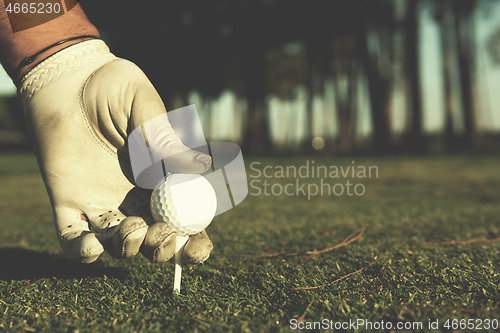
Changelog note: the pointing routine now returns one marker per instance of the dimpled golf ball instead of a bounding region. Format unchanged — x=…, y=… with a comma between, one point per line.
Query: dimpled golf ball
x=186, y=202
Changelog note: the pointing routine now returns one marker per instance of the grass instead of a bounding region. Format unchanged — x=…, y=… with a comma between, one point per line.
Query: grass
x=407, y=266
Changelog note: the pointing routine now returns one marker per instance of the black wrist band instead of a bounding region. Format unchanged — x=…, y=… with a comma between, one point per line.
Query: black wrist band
x=29, y=60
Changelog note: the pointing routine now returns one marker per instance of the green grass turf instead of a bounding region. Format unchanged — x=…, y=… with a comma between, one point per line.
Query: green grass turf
x=415, y=200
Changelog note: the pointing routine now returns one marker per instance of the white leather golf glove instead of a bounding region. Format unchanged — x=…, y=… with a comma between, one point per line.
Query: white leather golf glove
x=80, y=105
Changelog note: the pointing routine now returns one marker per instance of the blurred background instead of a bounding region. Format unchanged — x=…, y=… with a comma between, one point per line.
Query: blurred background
x=324, y=77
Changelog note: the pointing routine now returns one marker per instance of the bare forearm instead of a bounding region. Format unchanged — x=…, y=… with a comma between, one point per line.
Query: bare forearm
x=16, y=46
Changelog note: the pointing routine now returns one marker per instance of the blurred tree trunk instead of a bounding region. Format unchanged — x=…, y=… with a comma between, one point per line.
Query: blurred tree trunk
x=251, y=48
x=415, y=139
x=340, y=78
x=315, y=84
x=379, y=88
x=448, y=55
x=344, y=117
x=464, y=28
x=256, y=135
x=345, y=89
x=309, y=112
x=353, y=101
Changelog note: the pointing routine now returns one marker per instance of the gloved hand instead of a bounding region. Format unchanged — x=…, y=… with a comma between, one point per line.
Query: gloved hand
x=80, y=105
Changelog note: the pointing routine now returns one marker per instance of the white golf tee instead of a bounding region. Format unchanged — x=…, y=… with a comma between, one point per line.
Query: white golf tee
x=180, y=241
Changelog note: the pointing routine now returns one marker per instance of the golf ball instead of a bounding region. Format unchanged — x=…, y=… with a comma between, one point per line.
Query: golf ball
x=186, y=202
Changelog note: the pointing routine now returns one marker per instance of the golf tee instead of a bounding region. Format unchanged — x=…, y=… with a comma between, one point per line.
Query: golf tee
x=180, y=241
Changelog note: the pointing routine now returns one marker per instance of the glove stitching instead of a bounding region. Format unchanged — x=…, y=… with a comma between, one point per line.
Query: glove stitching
x=84, y=254
x=90, y=250
x=36, y=83
x=88, y=123
x=155, y=254
x=54, y=69
x=124, y=247
x=125, y=239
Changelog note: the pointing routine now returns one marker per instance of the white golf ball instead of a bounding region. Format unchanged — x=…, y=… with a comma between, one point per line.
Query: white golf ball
x=186, y=202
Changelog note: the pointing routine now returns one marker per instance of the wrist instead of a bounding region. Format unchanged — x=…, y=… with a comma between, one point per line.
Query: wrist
x=17, y=46
x=33, y=60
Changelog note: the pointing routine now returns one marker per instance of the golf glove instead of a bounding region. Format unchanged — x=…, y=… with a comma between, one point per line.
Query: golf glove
x=80, y=105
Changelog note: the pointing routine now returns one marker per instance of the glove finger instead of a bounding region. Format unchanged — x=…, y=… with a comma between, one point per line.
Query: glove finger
x=159, y=244
x=197, y=248
x=123, y=235
x=85, y=248
x=75, y=237
x=165, y=145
